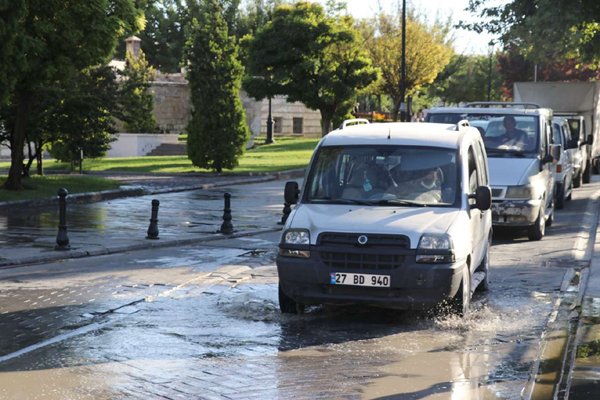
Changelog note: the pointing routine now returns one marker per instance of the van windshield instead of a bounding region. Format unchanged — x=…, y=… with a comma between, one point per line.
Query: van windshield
x=384, y=175
x=503, y=135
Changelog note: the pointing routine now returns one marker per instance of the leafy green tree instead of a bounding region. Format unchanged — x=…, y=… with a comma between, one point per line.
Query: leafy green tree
x=428, y=51
x=542, y=30
x=310, y=57
x=136, y=98
x=83, y=119
x=466, y=79
x=217, y=131
x=11, y=12
x=58, y=37
x=254, y=15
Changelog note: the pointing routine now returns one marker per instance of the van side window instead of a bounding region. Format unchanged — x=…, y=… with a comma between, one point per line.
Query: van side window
x=472, y=174
x=544, y=137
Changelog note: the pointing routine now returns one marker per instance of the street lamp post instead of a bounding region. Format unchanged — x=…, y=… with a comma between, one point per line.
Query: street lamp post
x=269, y=126
x=403, y=87
x=491, y=49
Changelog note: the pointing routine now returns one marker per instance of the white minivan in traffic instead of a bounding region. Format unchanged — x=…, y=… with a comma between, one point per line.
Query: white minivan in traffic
x=393, y=215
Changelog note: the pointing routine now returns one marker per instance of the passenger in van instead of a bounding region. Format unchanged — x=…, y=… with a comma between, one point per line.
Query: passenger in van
x=422, y=185
x=513, y=138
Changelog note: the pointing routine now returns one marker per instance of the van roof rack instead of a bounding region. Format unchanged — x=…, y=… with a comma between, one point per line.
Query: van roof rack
x=354, y=121
x=502, y=104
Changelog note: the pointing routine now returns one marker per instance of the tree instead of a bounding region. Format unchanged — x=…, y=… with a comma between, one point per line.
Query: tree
x=136, y=98
x=543, y=30
x=83, y=119
x=515, y=67
x=217, y=131
x=466, y=79
x=255, y=15
x=311, y=57
x=58, y=37
x=10, y=45
x=428, y=51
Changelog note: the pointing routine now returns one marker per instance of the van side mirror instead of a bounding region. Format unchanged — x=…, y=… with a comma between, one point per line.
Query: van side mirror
x=589, y=139
x=483, y=198
x=291, y=193
x=555, y=152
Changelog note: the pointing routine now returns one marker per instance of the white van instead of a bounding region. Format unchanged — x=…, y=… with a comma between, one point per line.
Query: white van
x=392, y=215
x=518, y=140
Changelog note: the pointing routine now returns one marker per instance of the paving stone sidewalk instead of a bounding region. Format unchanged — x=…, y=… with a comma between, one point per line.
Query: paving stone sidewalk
x=121, y=225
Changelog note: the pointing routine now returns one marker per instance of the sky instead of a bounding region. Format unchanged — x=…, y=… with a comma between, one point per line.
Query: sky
x=465, y=42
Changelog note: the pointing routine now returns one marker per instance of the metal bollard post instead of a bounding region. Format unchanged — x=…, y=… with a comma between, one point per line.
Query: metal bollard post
x=287, y=209
x=227, y=226
x=153, y=228
x=62, y=239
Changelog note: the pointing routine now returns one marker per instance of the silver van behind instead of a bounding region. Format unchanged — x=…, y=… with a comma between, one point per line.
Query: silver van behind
x=522, y=158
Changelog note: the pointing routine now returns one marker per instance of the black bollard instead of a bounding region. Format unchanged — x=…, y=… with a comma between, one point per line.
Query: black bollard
x=153, y=228
x=287, y=209
x=62, y=239
x=227, y=226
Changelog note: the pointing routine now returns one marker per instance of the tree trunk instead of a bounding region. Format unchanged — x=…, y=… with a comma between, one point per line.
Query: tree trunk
x=326, y=118
x=17, y=143
x=30, y=157
x=396, y=109
x=39, y=152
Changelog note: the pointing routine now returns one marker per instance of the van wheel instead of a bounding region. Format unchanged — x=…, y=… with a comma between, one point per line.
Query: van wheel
x=550, y=219
x=537, y=231
x=484, y=286
x=461, y=302
x=560, y=196
x=587, y=174
x=287, y=305
x=577, y=180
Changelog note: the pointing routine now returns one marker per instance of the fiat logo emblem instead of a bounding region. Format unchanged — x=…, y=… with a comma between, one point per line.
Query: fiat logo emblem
x=362, y=239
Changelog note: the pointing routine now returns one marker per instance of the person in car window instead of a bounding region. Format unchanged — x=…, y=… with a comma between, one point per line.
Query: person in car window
x=513, y=138
x=423, y=186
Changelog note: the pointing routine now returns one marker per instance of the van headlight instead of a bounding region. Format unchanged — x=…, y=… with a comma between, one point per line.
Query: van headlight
x=529, y=192
x=297, y=236
x=436, y=249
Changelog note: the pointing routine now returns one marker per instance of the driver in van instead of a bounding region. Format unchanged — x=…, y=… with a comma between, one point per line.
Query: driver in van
x=513, y=138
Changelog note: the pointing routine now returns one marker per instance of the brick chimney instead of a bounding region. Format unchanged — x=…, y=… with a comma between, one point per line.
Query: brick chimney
x=133, y=45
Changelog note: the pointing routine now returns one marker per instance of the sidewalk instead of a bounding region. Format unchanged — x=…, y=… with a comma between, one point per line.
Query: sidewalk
x=585, y=372
x=28, y=236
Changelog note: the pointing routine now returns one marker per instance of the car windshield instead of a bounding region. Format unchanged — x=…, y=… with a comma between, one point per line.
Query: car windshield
x=384, y=175
x=503, y=135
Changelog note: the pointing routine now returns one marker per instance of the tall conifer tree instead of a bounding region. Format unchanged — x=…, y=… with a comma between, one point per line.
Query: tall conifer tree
x=217, y=130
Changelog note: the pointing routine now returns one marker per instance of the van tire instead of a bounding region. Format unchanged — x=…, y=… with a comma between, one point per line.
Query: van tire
x=560, y=196
x=537, y=231
x=587, y=174
x=484, y=267
x=577, y=180
x=287, y=305
x=461, y=302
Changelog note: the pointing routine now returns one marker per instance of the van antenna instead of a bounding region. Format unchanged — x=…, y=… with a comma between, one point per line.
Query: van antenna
x=390, y=134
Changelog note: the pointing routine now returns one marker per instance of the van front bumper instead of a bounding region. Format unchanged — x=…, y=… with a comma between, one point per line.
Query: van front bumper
x=412, y=285
x=517, y=213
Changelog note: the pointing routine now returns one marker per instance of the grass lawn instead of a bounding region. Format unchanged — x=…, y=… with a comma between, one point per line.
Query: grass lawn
x=286, y=153
x=47, y=186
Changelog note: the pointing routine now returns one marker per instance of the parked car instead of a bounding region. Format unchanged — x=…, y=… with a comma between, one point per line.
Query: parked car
x=390, y=215
x=564, y=168
x=518, y=142
x=580, y=150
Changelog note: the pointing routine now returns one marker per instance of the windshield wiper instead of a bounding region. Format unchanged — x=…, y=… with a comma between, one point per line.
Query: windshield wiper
x=398, y=202
x=503, y=153
x=346, y=201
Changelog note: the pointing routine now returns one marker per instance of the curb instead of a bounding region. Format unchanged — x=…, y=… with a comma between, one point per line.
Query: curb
x=123, y=249
x=162, y=174
x=94, y=197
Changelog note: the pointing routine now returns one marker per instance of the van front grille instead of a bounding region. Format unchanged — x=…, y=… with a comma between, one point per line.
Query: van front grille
x=373, y=240
x=365, y=261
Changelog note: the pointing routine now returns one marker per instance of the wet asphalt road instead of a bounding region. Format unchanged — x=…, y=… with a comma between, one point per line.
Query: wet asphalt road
x=202, y=322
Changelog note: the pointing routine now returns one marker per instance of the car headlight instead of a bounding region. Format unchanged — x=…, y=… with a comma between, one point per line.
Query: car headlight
x=297, y=236
x=437, y=249
x=522, y=192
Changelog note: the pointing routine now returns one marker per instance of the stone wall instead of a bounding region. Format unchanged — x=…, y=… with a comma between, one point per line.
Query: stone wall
x=138, y=144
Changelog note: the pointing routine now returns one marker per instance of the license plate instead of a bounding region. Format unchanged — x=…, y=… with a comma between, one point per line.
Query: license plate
x=343, y=278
